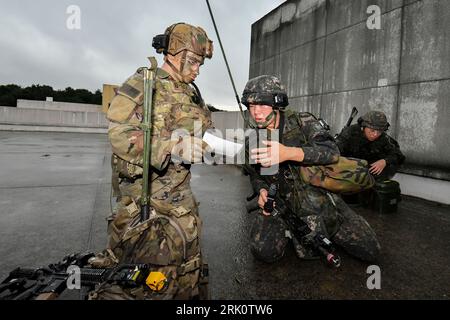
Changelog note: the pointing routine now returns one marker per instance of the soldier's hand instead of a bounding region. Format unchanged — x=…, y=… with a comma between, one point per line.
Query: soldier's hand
x=276, y=153
x=263, y=193
x=137, y=139
x=188, y=150
x=267, y=156
x=377, y=167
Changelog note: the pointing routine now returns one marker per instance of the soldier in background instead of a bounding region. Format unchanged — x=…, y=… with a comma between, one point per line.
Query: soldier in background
x=368, y=140
x=303, y=140
x=171, y=241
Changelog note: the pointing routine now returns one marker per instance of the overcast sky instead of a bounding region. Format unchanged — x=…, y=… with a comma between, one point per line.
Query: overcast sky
x=36, y=47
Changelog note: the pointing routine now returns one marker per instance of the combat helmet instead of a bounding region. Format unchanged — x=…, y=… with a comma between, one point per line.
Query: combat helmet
x=182, y=36
x=374, y=119
x=265, y=90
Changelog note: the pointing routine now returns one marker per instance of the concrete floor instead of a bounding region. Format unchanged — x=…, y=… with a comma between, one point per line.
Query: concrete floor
x=54, y=198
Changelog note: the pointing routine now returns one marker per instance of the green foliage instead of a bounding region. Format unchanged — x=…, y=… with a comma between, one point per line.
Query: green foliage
x=213, y=109
x=11, y=92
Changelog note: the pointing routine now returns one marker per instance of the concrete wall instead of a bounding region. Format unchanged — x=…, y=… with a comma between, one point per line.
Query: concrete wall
x=330, y=61
x=227, y=120
x=54, y=116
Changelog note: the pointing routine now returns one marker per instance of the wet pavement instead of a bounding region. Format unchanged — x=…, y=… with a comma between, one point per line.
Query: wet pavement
x=55, y=196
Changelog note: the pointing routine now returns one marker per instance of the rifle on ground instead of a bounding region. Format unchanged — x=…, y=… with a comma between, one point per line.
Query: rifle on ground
x=48, y=283
x=349, y=121
x=300, y=232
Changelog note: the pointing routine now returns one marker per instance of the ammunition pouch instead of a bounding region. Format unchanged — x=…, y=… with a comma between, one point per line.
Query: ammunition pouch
x=126, y=170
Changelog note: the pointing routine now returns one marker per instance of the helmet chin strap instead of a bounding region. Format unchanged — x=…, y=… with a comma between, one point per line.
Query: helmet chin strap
x=265, y=124
x=178, y=72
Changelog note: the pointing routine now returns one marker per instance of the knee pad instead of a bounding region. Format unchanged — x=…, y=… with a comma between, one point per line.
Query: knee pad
x=267, y=255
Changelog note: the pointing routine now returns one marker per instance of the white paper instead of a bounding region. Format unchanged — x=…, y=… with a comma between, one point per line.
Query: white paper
x=222, y=146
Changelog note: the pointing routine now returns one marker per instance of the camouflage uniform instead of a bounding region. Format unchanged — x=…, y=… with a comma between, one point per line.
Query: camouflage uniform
x=170, y=240
x=322, y=210
x=353, y=143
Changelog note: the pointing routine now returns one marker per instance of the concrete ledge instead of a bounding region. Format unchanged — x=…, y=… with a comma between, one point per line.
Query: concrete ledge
x=40, y=117
x=425, y=188
x=7, y=127
x=58, y=106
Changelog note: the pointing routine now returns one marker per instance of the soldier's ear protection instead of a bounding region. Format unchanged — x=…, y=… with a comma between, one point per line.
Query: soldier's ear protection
x=160, y=43
x=280, y=100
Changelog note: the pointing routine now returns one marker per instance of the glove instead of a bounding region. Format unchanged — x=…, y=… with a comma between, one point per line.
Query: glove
x=137, y=138
x=189, y=150
x=105, y=259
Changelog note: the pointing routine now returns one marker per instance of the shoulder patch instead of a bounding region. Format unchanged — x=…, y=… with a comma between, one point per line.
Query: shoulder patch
x=133, y=88
x=130, y=91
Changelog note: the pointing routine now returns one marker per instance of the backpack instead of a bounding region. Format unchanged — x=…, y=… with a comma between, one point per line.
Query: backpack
x=348, y=175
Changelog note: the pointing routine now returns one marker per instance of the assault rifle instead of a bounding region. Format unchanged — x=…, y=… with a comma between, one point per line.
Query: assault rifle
x=48, y=283
x=301, y=234
x=349, y=121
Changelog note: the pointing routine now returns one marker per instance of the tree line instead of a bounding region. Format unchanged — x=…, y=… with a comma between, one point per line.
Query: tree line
x=11, y=92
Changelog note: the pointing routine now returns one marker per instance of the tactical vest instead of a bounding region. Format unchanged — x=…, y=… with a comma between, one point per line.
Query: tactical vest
x=126, y=108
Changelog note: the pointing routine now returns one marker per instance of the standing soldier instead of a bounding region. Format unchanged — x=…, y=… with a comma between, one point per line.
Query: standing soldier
x=170, y=243
x=368, y=140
